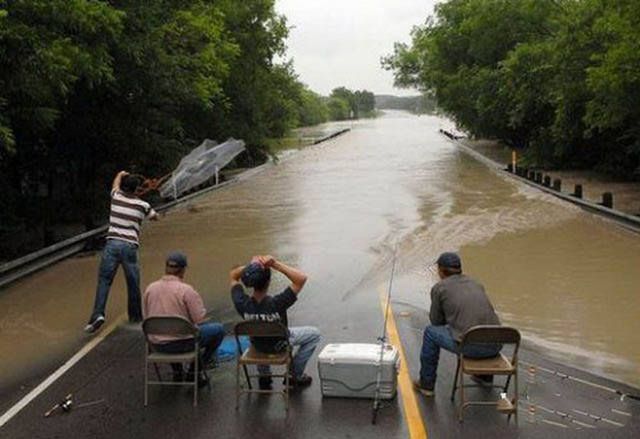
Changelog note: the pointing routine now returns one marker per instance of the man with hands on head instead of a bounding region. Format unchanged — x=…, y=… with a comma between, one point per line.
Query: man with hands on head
x=261, y=306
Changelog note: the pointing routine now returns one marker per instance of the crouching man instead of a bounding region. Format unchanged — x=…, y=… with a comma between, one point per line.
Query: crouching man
x=259, y=305
x=171, y=296
x=457, y=304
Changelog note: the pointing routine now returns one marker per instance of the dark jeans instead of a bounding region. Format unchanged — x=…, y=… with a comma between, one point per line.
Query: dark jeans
x=436, y=337
x=211, y=335
x=117, y=253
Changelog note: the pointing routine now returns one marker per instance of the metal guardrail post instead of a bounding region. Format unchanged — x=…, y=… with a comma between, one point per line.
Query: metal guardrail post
x=577, y=192
x=607, y=200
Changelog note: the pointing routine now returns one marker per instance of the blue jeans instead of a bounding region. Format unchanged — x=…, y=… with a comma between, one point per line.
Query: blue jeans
x=211, y=336
x=117, y=253
x=307, y=339
x=436, y=337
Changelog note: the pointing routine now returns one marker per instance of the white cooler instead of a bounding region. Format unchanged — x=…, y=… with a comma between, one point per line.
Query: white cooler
x=349, y=370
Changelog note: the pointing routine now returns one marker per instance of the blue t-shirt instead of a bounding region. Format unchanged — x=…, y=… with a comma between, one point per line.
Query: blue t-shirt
x=270, y=309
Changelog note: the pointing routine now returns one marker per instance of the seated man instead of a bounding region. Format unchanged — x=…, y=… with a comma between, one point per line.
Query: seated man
x=261, y=306
x=170, y=296
x=457, y=304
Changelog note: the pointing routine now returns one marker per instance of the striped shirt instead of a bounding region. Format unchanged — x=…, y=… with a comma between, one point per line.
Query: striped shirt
x=126, y=217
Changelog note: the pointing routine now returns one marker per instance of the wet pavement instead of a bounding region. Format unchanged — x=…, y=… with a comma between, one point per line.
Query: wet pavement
x=113, y=375
x=338, y=210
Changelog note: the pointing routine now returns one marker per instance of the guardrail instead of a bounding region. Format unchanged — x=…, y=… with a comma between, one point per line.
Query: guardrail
x=19, y=268
x=331, y=136
x=625, y=220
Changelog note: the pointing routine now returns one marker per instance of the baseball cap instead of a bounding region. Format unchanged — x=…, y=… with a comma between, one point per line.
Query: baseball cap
x=255, y=275
x=449, y=260
x=177, y=259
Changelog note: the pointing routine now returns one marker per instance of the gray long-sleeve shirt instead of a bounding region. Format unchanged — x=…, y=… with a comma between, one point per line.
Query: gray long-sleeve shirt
x=461, y=302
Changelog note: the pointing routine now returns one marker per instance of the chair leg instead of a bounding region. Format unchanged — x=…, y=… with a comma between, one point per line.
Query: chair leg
x=287, y=389
x=455, y=380
x=461, y=384
x=246, y=375
x=238, y=385
x=146, y=378
x=196, y=376
x=515, y=398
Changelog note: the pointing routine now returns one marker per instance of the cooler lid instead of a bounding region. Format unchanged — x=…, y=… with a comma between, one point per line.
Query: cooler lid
x=357, y=353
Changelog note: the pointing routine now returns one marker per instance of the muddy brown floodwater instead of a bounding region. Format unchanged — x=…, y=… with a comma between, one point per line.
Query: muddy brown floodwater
x=568, y=280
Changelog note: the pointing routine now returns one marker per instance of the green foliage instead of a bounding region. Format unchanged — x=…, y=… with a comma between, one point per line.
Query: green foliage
x=558, y=77
x=312, y=108
x=90, y=87
x=339, y=108
x=360, y=103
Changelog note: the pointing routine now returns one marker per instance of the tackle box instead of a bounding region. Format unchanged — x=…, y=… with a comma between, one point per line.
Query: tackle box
x=350, y=370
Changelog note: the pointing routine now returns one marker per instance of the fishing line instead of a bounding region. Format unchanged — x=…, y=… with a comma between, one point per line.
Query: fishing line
x=383, y=339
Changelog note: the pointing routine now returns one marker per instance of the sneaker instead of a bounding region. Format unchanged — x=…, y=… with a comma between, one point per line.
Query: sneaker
x=265, y=383
x=94, y=324
x=483, y=380
x=303, y=380
x=424, y=390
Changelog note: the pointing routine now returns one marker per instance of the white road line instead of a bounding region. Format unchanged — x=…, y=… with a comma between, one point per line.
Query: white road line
x=6, y=417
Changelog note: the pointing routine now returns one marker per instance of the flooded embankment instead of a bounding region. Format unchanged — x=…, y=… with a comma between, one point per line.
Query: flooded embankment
x=626, y=194
x=567, y=279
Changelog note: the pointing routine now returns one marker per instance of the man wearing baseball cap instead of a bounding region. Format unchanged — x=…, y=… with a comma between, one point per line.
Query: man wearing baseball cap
x=261, y=306
x=457, y=304
x=171, y=296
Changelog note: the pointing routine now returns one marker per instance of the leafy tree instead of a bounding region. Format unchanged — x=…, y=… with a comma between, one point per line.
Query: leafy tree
x=557, y=77
x=339, y=108
x=312, y=108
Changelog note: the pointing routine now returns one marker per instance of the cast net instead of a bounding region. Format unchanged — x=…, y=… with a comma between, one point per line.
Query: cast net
x=200, y=165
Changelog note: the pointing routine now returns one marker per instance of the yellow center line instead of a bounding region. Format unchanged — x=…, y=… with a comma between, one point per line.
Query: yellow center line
x=415, y=423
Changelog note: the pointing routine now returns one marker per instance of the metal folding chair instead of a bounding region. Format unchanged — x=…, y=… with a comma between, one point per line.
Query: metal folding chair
x=251, y=356
x=175, y=326
x=499, y=365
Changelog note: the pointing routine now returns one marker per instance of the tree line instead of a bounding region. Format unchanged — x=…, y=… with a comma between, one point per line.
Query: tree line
x=422, y=104
x=559, y=79
x=90, y=87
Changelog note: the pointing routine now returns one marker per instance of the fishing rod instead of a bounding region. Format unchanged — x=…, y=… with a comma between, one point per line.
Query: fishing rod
x=383, y=340
x=563, y=376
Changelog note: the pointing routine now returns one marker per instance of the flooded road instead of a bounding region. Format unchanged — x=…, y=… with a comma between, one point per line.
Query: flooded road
x=568, y=280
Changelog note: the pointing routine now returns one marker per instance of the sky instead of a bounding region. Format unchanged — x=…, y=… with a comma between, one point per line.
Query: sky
x=339, y=42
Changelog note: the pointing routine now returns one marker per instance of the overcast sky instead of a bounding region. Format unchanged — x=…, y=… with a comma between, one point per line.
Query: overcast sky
x=340, y=42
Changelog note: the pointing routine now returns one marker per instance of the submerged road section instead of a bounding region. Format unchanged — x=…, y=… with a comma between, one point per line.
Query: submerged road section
x=337, y=210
